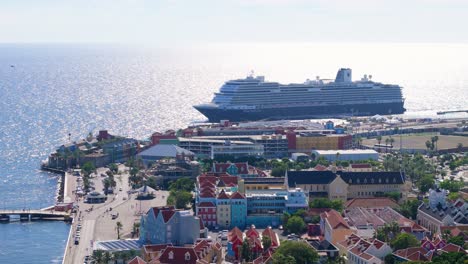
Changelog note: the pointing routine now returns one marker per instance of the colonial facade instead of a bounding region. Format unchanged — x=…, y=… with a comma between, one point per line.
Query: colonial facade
x=162, y=225
x=222, y=201
x=440, y=212
x=345, y=185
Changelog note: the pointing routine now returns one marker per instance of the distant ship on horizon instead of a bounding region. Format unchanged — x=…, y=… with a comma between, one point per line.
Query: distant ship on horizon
x=253, y=99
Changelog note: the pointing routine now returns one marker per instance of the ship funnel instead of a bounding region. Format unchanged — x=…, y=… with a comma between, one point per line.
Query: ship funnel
x=343, y=75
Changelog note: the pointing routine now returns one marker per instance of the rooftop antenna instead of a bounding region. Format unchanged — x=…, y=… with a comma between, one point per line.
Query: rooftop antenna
x=370, y=76
x=251, y=74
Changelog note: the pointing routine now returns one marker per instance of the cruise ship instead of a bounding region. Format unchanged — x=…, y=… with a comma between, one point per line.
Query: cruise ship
x=253, y=99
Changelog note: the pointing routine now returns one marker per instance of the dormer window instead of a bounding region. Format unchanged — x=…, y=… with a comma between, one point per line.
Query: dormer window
x=380, y=180
x=372, y=180
x=171, y=255
x=350, y=181
x=187, y=256
x=386, y=180
x=365, y=180
x=394, y=180
x=358, y=180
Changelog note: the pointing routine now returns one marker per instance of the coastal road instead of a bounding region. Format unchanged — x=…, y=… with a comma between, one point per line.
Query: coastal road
x=96, y=220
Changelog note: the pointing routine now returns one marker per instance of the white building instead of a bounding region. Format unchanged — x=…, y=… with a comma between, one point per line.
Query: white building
x=253, y=150
x=347, y=154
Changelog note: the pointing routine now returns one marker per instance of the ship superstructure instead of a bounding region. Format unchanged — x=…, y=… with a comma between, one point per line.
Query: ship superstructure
x=253, y=98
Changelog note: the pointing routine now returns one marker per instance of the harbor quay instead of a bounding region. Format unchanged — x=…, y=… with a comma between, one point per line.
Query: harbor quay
x=98, y=222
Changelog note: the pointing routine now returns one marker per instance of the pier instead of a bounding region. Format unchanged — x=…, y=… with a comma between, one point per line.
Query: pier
x=453, y=111
x=33, y=215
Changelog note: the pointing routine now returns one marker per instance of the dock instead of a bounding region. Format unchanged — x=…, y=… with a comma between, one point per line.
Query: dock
x=33, y=215
x=453, y=111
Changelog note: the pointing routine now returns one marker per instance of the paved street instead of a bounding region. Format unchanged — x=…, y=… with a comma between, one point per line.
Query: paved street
x=96, y=219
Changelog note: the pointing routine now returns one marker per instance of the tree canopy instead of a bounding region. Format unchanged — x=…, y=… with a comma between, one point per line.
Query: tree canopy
x=404, y=240
x=300, y=251
x=295, y=224
x=326, y=203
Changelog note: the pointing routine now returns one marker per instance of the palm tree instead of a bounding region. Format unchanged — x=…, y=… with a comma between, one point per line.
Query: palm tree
x=460, y=147
x=387, y=140
x=98, y=256
x=118, y=227
x=434, y=139
x=391, y=141
x=379, y=139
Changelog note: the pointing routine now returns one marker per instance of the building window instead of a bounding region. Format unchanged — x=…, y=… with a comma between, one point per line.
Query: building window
x=171, y=255
x=187, y=256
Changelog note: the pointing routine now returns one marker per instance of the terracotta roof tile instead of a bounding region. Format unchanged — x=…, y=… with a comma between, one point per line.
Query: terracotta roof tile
x=206, y=204
x=335, y=219
x=178, y=255
x=167, y=215
x=223, y=195
x=237, y=195
x=137, y=260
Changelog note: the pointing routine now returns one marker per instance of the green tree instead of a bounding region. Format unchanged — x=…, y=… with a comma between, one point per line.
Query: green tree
x=118, y=227
x=404, y=240
x=87, y=168
x=452, y=186
x=282, y=259
x=409, y=209
x=296, y=225
x=182, y=184
x=450, y=258
x=246, y=253
x=98, y=256
x=266, y=242
x=152, y=182
x=326, y=203
x=388, y=232
x=389, y=259
x=457, y=240
x=179, y=199
x=379, y=139
x=300, y=251
x=426, y=182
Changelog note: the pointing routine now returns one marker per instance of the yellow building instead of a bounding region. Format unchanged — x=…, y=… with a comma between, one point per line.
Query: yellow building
x=347, y=185
x=223, y=210
x=307, y=142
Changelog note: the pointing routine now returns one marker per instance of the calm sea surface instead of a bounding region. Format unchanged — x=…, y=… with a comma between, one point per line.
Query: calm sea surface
x=48, y=91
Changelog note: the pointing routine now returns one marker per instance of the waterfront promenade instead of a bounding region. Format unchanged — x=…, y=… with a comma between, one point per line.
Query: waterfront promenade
x=96, y=219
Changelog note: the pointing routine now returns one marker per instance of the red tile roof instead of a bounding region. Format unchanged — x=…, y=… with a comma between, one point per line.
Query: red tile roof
x=371, y=202
x=452, y=248
x=235, y=233
x=156, y=210
x=155, y=248
x=243, y=168
x=206, y=204
x=237, y=195
x=272, y=235
x=223, y=195
x=252, y=232
x=167, y=215
x=229, y=180
x=335, y=219
x=178, y=255
x=137, y=260
x=320, y=168
x=414, y=254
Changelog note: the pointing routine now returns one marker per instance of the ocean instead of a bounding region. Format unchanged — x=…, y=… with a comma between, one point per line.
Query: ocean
x=49, y=91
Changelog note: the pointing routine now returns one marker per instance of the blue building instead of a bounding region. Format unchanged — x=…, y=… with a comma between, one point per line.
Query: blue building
x=238, y=210
x=265, y=208
x=163, y=225
x=121, y=150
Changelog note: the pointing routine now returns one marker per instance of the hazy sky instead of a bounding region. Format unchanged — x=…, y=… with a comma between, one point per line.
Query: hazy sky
x=201, y=21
